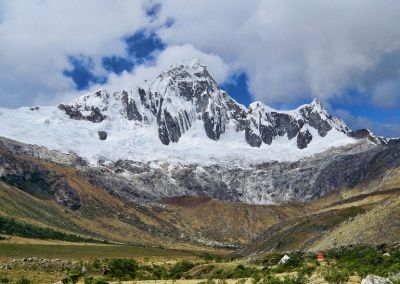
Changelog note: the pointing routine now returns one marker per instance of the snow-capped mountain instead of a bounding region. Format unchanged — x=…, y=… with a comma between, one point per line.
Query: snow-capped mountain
x=185, y=93
x=182, y=116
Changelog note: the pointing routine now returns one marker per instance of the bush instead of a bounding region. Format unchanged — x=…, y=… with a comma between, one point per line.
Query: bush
x=306, y=270
x=365, y=260
x=337, y=276
x=74, y=277
x=88, y=280
x=208, y=281
x=296, y=260
x=23, y=280
x=287, y=280
x=123, y=268
x=4, y=279
x=100, y=281
x=179, y=268
x=12, y=227
x=272, y=259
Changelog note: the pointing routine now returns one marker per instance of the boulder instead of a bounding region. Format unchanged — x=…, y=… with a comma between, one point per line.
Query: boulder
x=373, y=279
x=102, y=135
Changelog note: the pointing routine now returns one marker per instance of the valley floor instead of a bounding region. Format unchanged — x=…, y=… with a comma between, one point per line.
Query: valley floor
x=43, y=262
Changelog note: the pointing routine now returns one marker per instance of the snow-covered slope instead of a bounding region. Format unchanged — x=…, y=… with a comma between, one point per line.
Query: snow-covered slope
x=182, y=116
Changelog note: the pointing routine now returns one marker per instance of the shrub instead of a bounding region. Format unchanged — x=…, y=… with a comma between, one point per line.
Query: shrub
x=74, y=277
x=306, y=270
x=88, y=280
x=337, y=276
x=270, y=279
x=4, y=279
x=100, y=281
x=123, y=268
x=179, y=268
x=365, y=260
x=23, y=280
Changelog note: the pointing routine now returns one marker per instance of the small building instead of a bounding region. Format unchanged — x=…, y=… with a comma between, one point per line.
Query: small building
x=321, y=256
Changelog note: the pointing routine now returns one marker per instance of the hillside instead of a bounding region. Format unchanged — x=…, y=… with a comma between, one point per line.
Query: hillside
x=367, y=214
x=47, y=194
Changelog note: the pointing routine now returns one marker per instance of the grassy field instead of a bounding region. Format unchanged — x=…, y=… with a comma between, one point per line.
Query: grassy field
x=74, y=252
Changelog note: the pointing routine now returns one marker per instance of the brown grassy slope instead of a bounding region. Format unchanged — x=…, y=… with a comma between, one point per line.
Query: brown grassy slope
x=369, y=214
x=104, y=216
x=227, y=221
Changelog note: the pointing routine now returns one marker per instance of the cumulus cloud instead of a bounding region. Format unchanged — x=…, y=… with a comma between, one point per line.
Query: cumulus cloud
x=36, y=38
x=290, y=49
x=387, y=94
x=165, y=59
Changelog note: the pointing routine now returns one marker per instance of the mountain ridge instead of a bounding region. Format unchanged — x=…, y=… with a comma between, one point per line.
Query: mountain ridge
x=184, y=93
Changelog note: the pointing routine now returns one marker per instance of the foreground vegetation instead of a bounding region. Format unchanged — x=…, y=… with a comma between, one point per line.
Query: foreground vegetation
x=11, y=227
x=339, y=266
x=86, y=252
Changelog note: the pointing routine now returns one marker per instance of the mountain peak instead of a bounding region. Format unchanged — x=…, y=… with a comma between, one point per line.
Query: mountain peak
x=186, y=95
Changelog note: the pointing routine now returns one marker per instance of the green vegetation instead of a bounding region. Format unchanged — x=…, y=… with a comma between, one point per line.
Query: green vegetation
x=240, y=271
x=4, y=279
x=340, y=266
x=23, y=280
x=335, y=275
x=365, y=260
x=11, y=227
x=122, y=269
x=75, y=252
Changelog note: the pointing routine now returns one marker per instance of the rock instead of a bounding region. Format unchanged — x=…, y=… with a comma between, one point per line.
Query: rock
x=102, y=135
x=373, y=279
x=367, y=134
x=303, y=139
x=252, y=138
x=130, y=107
x=37, y=180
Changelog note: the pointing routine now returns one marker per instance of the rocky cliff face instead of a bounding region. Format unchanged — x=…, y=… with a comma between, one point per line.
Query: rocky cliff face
x=308, y=179
x=271, y=182
x=185, y=93
x=35, y=178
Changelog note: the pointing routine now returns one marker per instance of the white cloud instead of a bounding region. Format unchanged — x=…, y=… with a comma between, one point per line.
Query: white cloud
x=165, y=59
x=387, y=94
x=37, y=36
x=290, y=49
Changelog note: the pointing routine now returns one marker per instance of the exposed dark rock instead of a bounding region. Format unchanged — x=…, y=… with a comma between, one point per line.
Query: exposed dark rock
x=214, y=125
x=73, y=112
x=252, y=138
x=130, y=107
x=169, y=129
x=394, y=141
x=303, y=139
x=102, y=135
x=360, y=134
x=163, y=134
x=285, y=124
x=366, y=134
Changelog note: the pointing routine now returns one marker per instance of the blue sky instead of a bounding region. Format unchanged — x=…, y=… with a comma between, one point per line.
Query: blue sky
x=279, y=52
